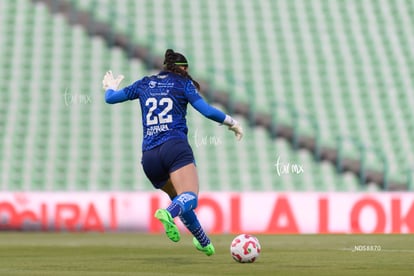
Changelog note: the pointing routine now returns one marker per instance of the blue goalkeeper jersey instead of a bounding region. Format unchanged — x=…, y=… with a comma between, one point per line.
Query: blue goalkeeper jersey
x=163, y=99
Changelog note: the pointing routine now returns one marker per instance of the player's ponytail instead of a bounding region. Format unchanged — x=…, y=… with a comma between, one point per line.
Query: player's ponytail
x=172, y=63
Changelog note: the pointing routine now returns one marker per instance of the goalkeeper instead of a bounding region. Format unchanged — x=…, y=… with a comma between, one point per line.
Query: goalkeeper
x=167, y=158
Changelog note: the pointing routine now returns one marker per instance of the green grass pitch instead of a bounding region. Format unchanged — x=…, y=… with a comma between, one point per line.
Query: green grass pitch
x=141, y=254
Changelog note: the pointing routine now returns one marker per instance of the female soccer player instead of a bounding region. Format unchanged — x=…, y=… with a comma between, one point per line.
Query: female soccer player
x=167, y=157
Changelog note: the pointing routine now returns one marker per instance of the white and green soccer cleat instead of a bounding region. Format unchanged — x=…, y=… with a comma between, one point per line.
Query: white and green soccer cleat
x=171, y=230
x=208, y=249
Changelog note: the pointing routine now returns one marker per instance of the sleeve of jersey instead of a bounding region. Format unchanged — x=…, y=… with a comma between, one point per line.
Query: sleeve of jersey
x=201, y=105
x=130, y=92
x=209, y=111
x=115, y=96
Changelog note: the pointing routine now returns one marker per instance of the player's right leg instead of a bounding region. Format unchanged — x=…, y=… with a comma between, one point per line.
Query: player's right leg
x=200, y=240
x=208, y=249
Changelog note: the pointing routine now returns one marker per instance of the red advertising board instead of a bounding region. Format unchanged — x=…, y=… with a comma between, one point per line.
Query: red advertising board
x=219, y=212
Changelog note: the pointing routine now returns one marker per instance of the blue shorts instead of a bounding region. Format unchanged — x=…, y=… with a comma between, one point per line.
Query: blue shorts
x=160, y=161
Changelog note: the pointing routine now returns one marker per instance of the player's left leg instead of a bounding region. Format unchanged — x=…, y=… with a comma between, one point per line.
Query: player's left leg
x=164, y=216
x=185, y=183
x=182, y=187
x=182, y=203
x=169, y=189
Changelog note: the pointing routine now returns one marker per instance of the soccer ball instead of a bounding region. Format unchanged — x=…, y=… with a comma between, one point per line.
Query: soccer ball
x=245, y=248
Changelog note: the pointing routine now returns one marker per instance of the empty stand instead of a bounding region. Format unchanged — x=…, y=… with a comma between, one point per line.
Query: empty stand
x=345, y=66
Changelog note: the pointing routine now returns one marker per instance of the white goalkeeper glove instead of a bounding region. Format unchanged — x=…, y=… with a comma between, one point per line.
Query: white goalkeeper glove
x=109, y=82
x=234, y=126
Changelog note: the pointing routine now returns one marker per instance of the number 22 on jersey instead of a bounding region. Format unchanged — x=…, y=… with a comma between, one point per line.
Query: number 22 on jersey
x=163, y=117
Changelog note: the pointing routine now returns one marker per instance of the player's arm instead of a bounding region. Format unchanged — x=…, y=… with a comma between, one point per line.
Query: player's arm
x=115, y=96
x=216, y=115
x=110, y=85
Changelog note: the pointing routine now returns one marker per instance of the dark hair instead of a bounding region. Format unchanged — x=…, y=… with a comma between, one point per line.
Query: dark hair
x=172, y=63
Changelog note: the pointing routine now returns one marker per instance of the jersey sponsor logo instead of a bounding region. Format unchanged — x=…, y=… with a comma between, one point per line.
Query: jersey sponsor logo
x=161, y=85
x=158, y=94
x=152, y=84
x=165, y=84
x=153, y=130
